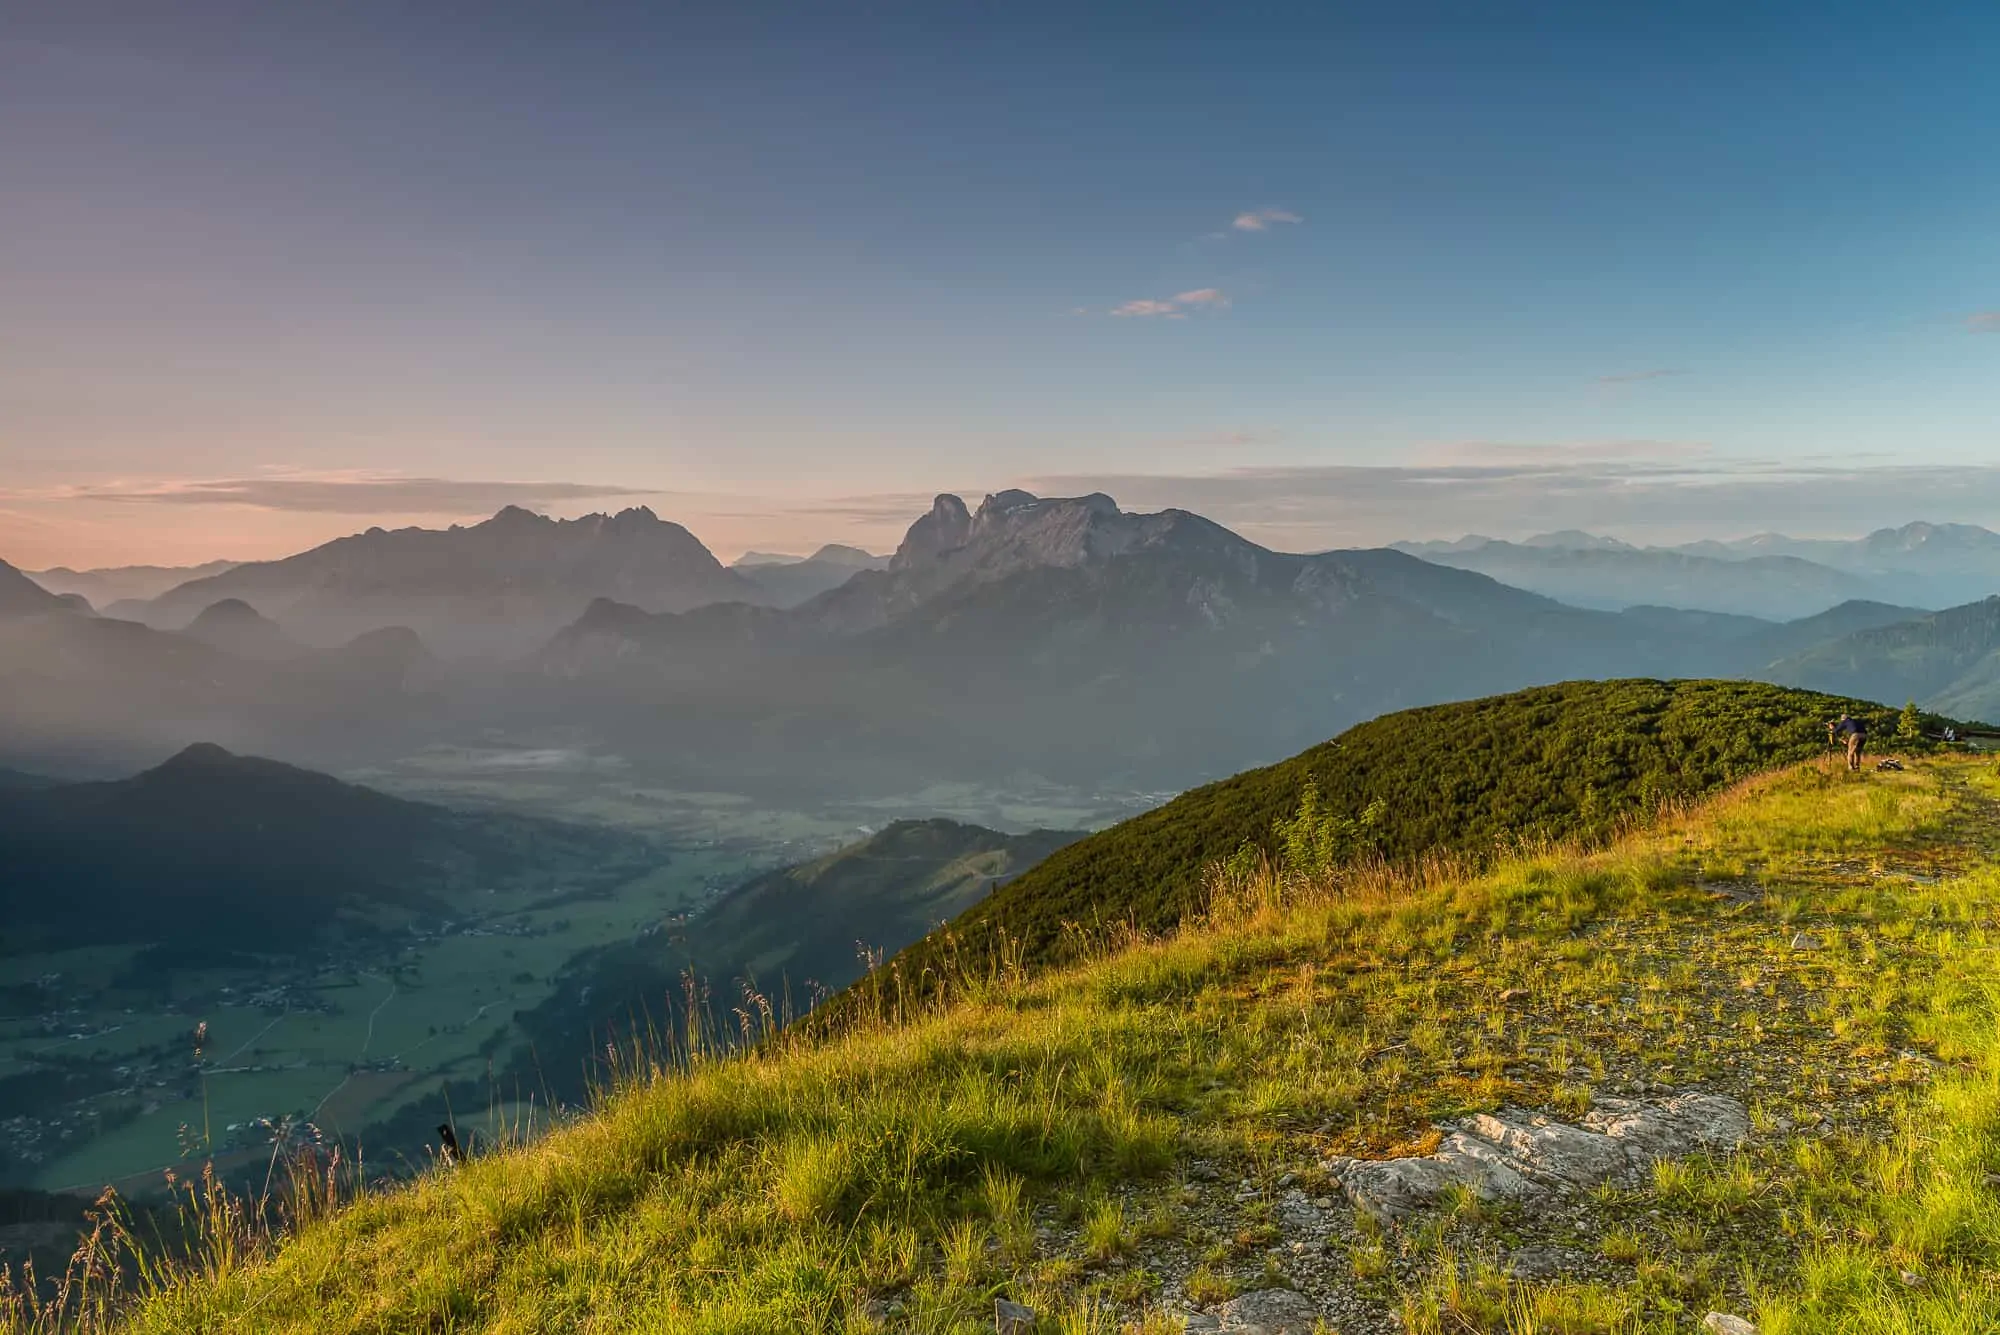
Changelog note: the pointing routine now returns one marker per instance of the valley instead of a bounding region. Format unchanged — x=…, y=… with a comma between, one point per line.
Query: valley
x=370, y=1038
x=99, y=1079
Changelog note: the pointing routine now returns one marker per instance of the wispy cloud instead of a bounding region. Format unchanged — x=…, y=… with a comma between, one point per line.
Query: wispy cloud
x=352, y=494
x=1146, y=306
x=1984, y=322
x=1632, y=377
x=1177, y=306
x=1262, y=220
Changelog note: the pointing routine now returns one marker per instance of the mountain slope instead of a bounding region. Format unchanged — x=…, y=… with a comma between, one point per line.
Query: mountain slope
x=1160, y=1136
x=1949, y=656
x=1564, y=761
x=21, y=596
x=213, y=851
x=795, y=934
x=494, y=587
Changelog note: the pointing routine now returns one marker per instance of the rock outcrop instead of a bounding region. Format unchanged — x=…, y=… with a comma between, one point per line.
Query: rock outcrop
x=1519, y=1156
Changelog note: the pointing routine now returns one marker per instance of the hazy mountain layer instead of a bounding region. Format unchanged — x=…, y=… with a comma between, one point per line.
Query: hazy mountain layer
x=1780, y=587
x=1930, y=565
x=787, y=583
x=492, y=588
x=112, y=584
x=213, y=852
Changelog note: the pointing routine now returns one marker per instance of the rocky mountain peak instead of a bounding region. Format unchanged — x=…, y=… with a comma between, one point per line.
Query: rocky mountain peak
x=945, y=528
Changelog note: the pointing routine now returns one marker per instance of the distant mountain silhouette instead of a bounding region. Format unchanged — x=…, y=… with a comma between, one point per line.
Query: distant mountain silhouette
x=495, y=587
x=98, y=693
x=1586, y=571
x=787, y=583
x=234, y=626
x=221, y=851
x=1929, y=565
x=113, y=584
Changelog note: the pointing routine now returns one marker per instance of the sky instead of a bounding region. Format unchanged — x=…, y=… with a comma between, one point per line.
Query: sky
x=1331, y=274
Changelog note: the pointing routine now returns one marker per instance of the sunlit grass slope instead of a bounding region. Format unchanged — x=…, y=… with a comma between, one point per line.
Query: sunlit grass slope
x=1575, y=760
x=1115, y=1143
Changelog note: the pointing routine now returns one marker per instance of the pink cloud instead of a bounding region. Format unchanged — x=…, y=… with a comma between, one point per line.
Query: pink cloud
x=1177, y=307
x=1260, y=220
x=1985, y=322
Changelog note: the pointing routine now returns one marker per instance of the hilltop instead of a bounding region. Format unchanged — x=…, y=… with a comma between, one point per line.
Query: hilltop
x=1738, y=1062
x=1578, y=760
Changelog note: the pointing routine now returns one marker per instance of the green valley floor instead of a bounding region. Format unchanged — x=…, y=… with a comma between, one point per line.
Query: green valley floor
x=1163, y=1137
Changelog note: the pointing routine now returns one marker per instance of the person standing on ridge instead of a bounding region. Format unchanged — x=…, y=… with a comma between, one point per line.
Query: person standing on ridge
x=1854, y=733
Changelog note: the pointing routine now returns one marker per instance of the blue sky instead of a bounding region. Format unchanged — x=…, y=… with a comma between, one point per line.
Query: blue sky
x=270, y=273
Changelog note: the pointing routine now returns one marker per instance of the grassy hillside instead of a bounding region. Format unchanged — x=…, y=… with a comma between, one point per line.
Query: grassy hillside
x=1573, y=760
x=1138, y=1140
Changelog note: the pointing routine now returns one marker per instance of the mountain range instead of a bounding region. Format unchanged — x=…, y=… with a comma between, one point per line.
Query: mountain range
x=112, y=584
x=1768, y=575
x=1068, y=637
x=1062, y=638
x=493, y=588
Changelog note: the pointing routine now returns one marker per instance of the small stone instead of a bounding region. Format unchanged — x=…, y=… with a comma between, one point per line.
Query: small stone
x=1273, y=1311
x=1804, y=941
x=1514, y=996
x=1287, y=1180
x=1200, y=1321
x=1534, y=1263
x=1910, y=1279
x=1203, y=1172
x=1012, y=1318
x=1721, y=1323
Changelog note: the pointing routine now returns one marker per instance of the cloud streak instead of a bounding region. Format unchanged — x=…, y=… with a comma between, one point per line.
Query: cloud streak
x=1175, y=307
x=1262, y=220
x=1984, y=322
x=352, y=494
